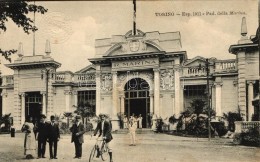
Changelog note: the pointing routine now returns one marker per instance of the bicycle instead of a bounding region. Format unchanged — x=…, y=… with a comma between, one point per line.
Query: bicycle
x=103, y=150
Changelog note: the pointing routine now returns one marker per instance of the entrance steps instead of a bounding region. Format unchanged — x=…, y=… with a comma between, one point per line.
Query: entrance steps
x=138, y=131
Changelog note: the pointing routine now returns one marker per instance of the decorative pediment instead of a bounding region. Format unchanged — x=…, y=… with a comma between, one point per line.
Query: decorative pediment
x=88, y=69
x=133, y=46
x=196, y=61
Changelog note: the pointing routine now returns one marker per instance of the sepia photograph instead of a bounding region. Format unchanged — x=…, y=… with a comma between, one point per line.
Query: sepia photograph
x=130, y=80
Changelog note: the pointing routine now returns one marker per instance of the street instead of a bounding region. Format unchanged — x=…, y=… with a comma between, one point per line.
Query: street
x=149, y=148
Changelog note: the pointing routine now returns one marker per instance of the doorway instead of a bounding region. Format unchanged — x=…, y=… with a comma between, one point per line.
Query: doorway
x=33, y=106
x=137, y=100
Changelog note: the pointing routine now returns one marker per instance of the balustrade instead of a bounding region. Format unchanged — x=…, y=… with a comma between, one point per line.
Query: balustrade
x=243, y=126
x=225, y=65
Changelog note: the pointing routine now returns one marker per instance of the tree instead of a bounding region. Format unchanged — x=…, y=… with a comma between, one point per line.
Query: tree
x=18, y=11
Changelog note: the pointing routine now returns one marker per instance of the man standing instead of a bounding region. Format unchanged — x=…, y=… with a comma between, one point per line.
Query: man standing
x=132, y=129
x=77, y=131
x=53, y=137
x=104, y=127
x=41, y=136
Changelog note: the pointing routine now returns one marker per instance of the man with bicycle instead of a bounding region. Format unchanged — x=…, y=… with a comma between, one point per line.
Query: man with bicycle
x=104, y=127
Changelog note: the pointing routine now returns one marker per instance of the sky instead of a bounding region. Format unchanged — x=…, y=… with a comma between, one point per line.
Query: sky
x=73, y=26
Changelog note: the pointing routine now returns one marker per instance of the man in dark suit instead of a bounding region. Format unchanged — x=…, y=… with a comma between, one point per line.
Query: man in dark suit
x=41, y=136
x=53, y=137
x=77, y=131
x=104, y=127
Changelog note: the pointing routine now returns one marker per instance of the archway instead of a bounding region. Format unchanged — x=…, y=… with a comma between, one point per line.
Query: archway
x=137, y=100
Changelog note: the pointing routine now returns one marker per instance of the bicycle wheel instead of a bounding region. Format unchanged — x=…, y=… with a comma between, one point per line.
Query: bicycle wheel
x=104, y=152
x=92, y=154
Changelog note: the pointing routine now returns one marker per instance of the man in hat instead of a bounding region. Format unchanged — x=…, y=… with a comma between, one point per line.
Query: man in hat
x=53, y=137
x=41, y=136
x=104, y=127
x=77, y=131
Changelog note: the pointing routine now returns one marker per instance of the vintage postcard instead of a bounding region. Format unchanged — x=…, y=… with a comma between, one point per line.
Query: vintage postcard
x=130, y=80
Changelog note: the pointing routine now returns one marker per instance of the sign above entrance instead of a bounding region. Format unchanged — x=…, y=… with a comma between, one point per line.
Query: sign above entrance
x=135, y=64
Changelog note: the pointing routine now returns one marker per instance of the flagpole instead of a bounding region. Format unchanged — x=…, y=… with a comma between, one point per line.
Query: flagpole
x=134, y=18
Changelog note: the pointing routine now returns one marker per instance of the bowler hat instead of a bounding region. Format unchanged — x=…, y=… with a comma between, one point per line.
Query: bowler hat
x=52, y=117
x=43, y=116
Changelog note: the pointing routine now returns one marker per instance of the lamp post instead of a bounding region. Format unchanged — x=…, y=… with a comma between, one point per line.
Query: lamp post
x=47, y=72
x=208, y=98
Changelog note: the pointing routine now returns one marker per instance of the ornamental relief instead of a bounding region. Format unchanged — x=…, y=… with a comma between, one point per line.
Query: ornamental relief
x=167, y=79
x=123, y=78
x=106, y=82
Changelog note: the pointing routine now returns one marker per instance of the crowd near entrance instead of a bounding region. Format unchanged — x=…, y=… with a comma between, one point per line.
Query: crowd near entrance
x=137, y=100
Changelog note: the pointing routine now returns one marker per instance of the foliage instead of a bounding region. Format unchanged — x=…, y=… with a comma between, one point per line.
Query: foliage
x=85, y=110
x=197, y=106
x=18, y=12
x=173, y=119
x=249, y=138
x=6, y=120
x=220, y=128
x=231, y=117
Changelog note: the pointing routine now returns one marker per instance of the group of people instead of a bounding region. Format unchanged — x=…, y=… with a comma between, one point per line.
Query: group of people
x=49, y=132
x=137, y=120
x=43, y=132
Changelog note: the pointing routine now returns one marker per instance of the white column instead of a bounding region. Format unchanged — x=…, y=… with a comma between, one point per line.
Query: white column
x=4, y=99
x=23, y=108
x=173, y=104
x=43, y=103
x=156, y=92
x=114, y=94
x=218, y=87
x=177, y=92
x=250, y=99
x=151, y=102
x=75, y=93
x=67, y=94
x=98, y=89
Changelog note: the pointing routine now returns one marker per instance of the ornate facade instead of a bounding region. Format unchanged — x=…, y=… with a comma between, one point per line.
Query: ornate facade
x=146, y=73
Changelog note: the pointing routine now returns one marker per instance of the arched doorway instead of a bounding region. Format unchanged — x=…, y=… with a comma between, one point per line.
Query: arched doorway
x=137, y=100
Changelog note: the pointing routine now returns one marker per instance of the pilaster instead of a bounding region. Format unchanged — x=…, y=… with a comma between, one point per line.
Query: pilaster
x=98, y=89
x=156, y=92
x=44, y=107
x=151, y=102
x=114, y=94
x=218, y=88
x=67, y=94
x=241, y=57
x=250, y=99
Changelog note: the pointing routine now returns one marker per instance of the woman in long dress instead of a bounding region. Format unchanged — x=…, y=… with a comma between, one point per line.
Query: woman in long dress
x=29, y=140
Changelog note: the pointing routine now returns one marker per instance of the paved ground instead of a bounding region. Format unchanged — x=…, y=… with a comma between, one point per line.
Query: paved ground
x=150, y=148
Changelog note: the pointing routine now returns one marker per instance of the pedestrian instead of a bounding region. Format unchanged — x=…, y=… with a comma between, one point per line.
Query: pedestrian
x=132, y=128
x=12, y=130
x=77, y=131
x=29, y=140
x=53, y=137
x=125, y=120
x=41, y=136
x=104, y=127
x=140, y=121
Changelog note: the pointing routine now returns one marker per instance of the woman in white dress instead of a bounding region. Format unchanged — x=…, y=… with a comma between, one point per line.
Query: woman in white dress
x=29, y=140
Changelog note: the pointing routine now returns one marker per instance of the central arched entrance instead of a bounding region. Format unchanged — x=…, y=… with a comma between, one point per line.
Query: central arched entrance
x=137, y=100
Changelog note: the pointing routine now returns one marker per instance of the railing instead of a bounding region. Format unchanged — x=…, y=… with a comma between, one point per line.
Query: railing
x=84, y=78
x=65, y=77
x=243, y=126
x=225, y=65
x=7, y=80
x=194, y=71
